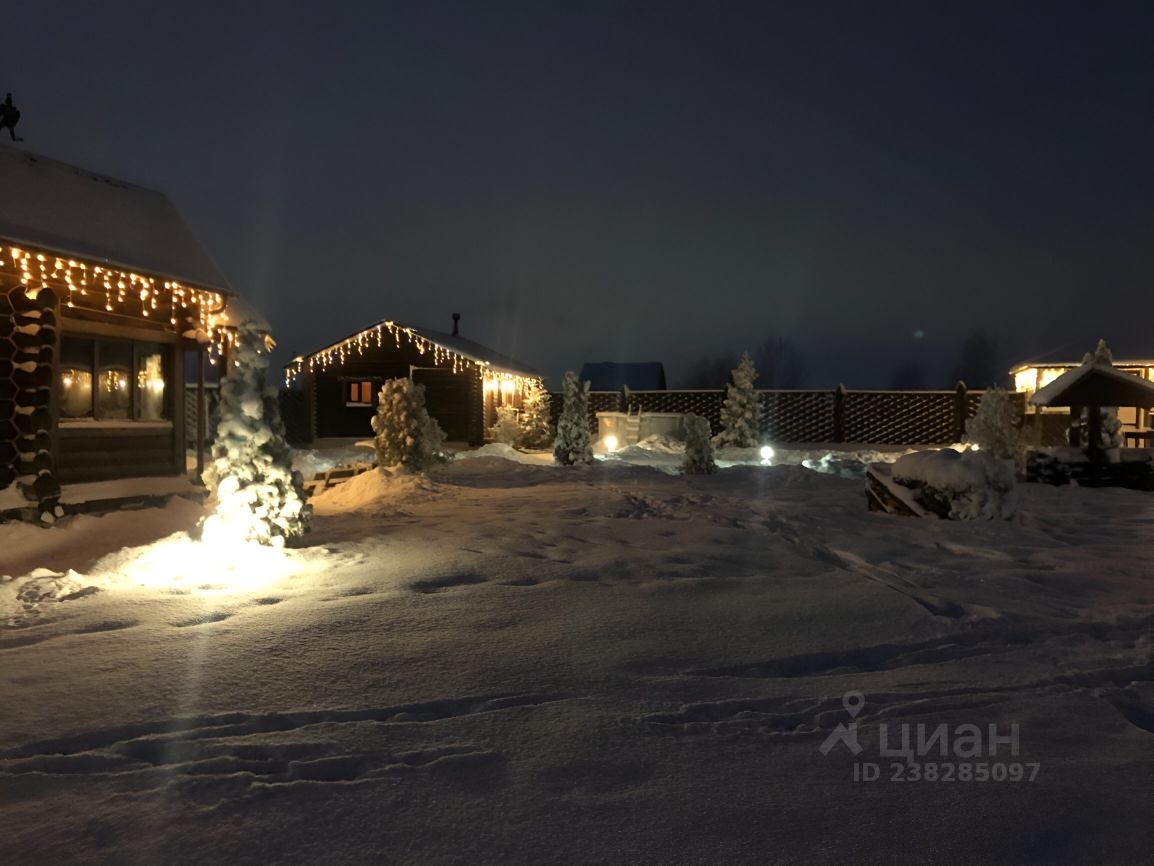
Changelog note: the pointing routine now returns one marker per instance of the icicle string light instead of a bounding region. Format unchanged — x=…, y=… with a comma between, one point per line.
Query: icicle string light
x=96, y=287
x=374, y=337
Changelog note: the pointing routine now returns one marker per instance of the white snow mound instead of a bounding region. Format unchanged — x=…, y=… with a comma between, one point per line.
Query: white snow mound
x=976, y=484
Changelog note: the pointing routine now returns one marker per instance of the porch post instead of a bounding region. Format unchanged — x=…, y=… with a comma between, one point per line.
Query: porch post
x=200, y=413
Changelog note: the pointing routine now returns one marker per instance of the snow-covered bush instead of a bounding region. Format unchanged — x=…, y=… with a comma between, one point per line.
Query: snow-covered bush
x=258, y=495
x=1111, y=428
x=996, y=426
x=971, y=485
x=740, y=411
x=405, y=434
x=698, y=447
x=507, y=430
x=535, y=429
x=573, y=444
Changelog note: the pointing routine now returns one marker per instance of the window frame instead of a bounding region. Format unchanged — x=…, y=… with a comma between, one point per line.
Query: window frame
x=138, y=348
x=348, y=382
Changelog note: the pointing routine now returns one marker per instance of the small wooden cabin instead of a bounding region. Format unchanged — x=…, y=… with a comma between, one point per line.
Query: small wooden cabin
x=464, y=381
x=104, y=292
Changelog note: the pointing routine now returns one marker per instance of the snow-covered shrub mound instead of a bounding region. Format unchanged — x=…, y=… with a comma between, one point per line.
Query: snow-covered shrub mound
x=840, y=465
x=973, y=485
x=698, y=447
x=507, y=430
x=660, y=443
x=405, y=433
x=996, y=426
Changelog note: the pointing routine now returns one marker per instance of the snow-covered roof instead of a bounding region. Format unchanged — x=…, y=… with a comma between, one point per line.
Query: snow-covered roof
x=476, y=352
x=452, y=343
x=1096, y=384
x=68, y=210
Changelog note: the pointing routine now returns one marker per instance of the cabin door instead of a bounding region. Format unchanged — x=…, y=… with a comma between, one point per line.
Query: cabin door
x=447, y=399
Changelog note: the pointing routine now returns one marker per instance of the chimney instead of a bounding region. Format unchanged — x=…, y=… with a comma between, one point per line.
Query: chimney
x=456, y=324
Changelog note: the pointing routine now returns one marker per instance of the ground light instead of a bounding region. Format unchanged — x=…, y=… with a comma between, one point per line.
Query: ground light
x=219, y=556
x=766, y=454
x=610, y=442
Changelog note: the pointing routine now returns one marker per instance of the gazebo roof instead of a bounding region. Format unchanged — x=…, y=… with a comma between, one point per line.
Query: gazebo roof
x=1096, y=384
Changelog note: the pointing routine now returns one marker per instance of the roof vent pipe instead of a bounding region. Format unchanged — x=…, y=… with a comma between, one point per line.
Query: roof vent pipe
x=456, y=324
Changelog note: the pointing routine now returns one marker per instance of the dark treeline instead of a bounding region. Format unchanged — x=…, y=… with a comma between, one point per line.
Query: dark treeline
x=780, y=364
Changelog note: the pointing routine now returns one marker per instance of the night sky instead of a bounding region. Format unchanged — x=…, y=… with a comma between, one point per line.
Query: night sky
x=635, y=181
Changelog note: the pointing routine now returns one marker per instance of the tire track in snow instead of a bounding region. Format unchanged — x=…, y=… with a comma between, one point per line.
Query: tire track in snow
x=239, y=724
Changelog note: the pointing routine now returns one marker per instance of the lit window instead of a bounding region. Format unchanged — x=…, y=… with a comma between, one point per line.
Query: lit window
x=359, y=393
x=112, y=381
x=150, y=404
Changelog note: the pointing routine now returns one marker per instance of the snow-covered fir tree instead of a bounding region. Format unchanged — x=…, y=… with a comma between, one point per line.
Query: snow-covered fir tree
x=996, y=426
x=258, y=495
x=1100, y=355
x=698, y=446
x=573, y=444
x=535, y=430
x=406, y=436
x=507, y=430
x=740, y=411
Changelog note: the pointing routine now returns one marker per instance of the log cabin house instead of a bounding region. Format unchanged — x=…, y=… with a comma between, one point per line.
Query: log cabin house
x=105, y=294
x=464, y=381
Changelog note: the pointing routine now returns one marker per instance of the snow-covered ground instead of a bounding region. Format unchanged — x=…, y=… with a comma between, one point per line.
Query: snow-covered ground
x=518, y=663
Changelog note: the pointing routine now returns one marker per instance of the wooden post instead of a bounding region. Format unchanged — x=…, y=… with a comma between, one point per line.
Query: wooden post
x=839, y=413
x=961, y=411
x=200, y=414
x=1094, y=433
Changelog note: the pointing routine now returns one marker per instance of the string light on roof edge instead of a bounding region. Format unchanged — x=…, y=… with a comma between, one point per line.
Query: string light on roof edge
x=358, y=342
x=39, y=270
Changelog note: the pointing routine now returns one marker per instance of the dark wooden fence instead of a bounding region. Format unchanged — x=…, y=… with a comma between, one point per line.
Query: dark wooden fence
x=840, y=415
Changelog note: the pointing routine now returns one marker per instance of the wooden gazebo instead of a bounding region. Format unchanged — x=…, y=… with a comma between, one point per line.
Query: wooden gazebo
x=1092, y=386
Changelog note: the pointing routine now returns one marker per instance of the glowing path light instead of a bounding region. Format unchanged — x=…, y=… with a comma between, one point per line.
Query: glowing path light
x=180, y=561
x=222, y=556
x=610, y=442
x=766, y=453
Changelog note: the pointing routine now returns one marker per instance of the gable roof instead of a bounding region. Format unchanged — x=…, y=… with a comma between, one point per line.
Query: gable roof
x=457, y=345
x=613, y=376
x=1096, y=384
x=70, y=211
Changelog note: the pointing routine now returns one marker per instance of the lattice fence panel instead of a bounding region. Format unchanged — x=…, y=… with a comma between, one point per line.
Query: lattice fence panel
x=212, y=418
x=707, y=404
x=973, y=398
x=797, y=416
x=599, y=401
x=602, y=401
x=901, y=417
